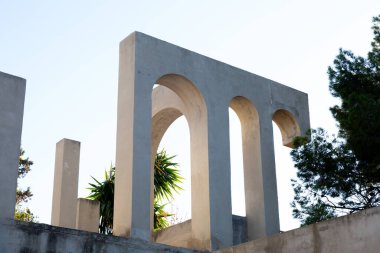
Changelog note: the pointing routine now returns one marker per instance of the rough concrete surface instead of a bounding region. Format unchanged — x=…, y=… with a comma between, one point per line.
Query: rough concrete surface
x=88, y=214
x=23, y=237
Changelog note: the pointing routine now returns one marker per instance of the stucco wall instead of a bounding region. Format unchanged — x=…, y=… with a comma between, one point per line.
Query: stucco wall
x=349, y=234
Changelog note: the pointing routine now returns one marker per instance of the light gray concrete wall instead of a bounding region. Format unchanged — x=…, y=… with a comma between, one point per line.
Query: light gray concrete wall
x=87, y=215
x=353, y=233
x=23, y=237
x=12, y=95
x=65, y=188
x=207, y=87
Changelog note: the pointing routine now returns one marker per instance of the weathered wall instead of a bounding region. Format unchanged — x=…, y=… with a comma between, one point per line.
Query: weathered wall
x=23, y=237
x=349, y=234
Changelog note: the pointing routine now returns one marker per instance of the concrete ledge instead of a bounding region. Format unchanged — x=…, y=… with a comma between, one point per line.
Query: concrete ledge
x=353, y=233
x=18, y=236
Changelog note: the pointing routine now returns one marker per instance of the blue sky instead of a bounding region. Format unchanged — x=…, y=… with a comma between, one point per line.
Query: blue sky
x=68, y=52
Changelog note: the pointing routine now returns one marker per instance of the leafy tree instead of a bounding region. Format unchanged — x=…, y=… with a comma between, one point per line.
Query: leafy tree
x=341, y=175
x=167, y=180
x=22, y=196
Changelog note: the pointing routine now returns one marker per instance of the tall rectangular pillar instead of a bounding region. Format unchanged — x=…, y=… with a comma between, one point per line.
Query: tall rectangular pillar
x=268, y=170
x=12, y=96
x=65, y=189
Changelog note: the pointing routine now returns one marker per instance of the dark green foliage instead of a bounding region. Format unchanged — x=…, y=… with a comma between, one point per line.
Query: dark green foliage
x=22, y=196
x=342, y=175
x=330, y=180
x=24, y=165
x=166, y=180
x=356, y=81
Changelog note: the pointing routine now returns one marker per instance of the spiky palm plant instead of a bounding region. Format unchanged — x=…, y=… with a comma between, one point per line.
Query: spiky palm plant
x=104, y=193
x=167, y=180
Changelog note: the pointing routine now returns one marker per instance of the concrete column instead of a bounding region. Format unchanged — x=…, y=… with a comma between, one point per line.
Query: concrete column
x=132, y=204
x=65, y=191
x=219, y=184
x=268, y=171
x=87, y=215
x=12, y=95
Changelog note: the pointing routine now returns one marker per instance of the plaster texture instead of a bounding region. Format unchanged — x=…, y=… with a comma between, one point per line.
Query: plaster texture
x=353, y=233
x=65, y=190
x=12, y=96
x=203, y=90
x=87, y=215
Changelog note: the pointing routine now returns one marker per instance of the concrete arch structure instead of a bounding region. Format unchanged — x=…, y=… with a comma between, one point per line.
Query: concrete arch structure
x=253, y=185
x=288, y=126
x=167, y=106
x=145, y=61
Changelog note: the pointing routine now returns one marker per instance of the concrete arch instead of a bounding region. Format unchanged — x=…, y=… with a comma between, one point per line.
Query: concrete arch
x=167, y=106
x=143, y=59
x=253, y=184
x=288, y=126
x=187, y=91
x=175, y=96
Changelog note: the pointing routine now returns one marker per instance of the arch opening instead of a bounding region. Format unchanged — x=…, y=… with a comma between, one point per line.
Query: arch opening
x=288, y=126
x=176, y=141
x=173, y=96
x=285, y=128
x=251, y=156
x=237, y=170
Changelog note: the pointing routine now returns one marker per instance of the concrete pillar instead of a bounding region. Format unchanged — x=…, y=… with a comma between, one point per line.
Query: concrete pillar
x=65, y=191
x=268, y=172
x=219, y=184
x=12, y=95
x=132, y=204
x=87, y=215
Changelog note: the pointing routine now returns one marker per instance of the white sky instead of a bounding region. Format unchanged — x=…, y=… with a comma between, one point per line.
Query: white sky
x=68, y=52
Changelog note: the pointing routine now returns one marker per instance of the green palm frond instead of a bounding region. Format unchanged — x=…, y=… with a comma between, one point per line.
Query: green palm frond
x=167, y=180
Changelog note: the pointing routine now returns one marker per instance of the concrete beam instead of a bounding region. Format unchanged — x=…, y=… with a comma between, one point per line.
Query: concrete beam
x=65, y=191
x=12, y=96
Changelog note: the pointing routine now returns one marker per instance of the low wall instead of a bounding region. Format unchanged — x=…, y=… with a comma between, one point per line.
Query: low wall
x=180, y=235
x=24, y=237
x=355, y=233
x=349, y=234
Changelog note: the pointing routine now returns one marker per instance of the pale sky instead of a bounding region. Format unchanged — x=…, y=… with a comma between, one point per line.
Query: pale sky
x=68, y=52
